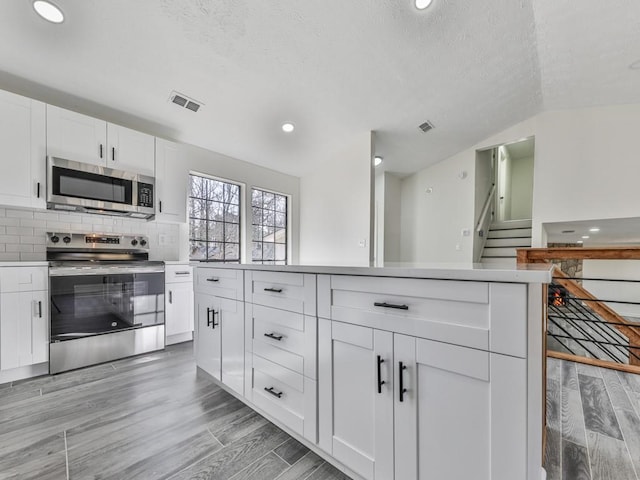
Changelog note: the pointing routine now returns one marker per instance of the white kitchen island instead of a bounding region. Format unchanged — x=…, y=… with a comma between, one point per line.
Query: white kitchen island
x=400, y=372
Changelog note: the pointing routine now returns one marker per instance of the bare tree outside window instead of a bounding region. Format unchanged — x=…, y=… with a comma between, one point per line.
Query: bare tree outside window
x=269, y=227
x=214, y=220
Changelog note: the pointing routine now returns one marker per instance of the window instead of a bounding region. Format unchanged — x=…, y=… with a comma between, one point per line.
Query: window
x=214, y=220
x=269, y=227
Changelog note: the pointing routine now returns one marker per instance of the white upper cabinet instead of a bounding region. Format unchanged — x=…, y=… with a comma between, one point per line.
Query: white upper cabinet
x=171, y=183
x=23, y=152
x=76, y=137
x=82, y=138
x=130, y=150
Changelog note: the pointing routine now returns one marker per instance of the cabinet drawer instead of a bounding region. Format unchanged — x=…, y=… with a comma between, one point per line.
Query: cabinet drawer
x=178, y=274
x=285, y=395
x=221, y=282
x=294, y=292
x=23, y=279
x=285, y=338
x=456, y=312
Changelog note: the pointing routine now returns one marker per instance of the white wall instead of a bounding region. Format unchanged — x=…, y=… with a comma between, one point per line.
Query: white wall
x=200, y=160
x=336, y=207
x=378, y=215
x=431, y=223
x=521, y=188
x=585, y=168
x=392, y=211
x=621, y=291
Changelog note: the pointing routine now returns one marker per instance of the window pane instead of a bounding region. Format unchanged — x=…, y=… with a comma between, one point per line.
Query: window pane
x=256, y=232
x=232, y=193
x=256, y=216
x=198, y=251
x=281, y=220
x=216, y=231
x=197, y=229
x=256, y=251
x=232, y=213
x=215, y=250
x=232, y=233
x=281, y=252
x=216, y=191
x=267, y=234
x=269, y=200
x=281, y=203
x=268, y=217
x=268, y=252
x=197, y=208
x=280, y=236
x=256, y=198
x=231, y=251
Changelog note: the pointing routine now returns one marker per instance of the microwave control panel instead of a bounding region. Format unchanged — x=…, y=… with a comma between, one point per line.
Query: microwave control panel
x=145, y=195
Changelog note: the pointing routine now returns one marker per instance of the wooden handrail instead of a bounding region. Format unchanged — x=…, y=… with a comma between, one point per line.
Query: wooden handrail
x=480, y=225
x=623, y=367
x=540, y=255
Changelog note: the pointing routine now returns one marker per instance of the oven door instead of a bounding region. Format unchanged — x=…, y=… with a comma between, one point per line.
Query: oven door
x=95, y=303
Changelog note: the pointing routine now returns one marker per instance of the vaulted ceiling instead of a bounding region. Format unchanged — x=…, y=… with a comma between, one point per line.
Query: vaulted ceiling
x=334, y=68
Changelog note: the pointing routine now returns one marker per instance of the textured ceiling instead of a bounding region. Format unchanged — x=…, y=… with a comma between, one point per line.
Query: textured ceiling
x=333, y=68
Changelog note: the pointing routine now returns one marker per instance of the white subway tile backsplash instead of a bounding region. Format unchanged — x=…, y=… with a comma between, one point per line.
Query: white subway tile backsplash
x=23, y=232
x=19, y=213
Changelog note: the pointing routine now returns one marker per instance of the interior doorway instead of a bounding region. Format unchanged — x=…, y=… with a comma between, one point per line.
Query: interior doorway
x=513, y=170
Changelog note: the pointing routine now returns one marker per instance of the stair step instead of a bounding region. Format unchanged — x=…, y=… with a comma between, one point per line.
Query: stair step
x=510, y=224
x=511, y=233
x=499, y=262
x=508, y=242
x=499, y=252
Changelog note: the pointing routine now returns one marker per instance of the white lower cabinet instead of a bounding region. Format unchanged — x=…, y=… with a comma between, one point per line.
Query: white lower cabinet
x=396, y=406
x=220, y=339
x=179, y=304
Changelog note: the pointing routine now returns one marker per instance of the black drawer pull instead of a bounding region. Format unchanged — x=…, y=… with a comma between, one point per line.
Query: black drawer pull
x=213, y=279
x=380, y=381
x=39, y=309
x=391, y=305
x=272, y=391
x=274, y=336
x=275, y=290
x=403, y=390
x=38, y=186
x=183, y=273
x=170, y=297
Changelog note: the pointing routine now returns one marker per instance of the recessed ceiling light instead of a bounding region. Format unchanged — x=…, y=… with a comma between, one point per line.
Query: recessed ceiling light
x=594, y=229
x=635, y=65
x=48, y=11
x=422, y=4
x=585, y=236
x=288, y=127
x=377, y=160
x=579, y=241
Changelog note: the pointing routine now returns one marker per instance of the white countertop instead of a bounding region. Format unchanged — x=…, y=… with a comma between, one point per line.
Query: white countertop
x=532, y=273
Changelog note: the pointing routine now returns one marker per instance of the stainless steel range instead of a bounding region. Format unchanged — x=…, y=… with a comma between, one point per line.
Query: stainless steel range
x=107, y=299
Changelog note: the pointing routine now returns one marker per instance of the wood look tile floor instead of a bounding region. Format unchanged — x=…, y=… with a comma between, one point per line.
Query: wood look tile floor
x=593, y=423
x=149, y=417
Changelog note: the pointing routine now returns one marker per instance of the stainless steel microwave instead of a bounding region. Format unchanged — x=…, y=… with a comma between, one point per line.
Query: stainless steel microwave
x=83, y=187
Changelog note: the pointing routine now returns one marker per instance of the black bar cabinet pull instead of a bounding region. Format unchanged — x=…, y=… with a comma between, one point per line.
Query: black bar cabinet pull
x=275, y=290
x=113, y=153
x=38, y=190
x=272, y=391
x=39, y=309
x=380, y=381
x=391, y=305
x=274, y=336
x=402, y=389
x=170, y=297
x=213, y=279
x=209, y=317
x=214, y=319
x=160, y=205
x=100, y=150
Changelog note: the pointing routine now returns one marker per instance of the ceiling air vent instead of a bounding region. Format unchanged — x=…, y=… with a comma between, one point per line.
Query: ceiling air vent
x=426, y=126
x=185, y=102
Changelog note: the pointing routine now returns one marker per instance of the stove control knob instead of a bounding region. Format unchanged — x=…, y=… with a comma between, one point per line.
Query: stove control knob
x=143, y=242
x=66, y=239
x=55, y=239
x=134, y=242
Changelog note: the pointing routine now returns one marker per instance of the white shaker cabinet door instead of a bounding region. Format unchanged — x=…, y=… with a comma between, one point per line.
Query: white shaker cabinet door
x=179, y=308
x=24, y=333
x=231, y=319
x=172, y=180
x=130, y=150
x=208, y=334
x=461, y=413
x=356, y=408
x=22, y=151
x=76, y=137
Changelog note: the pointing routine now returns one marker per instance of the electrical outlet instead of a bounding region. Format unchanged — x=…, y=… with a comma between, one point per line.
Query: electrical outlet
x=466, y=232
x=458, y=247
x=363, y=243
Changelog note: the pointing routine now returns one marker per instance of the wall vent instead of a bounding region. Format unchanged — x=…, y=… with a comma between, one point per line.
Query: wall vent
x=426, y=126
x=185, y=102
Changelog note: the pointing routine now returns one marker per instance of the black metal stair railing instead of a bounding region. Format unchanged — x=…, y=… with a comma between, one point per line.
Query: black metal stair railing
x=574, y=328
